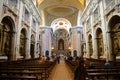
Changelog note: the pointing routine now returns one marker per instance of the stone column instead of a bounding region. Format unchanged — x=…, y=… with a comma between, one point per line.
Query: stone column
x=37, y=41
x=87, y=48
x=13, y=49
x=109, y=47
x=1, y=4
x=43, y=41
x=28, y=39
x=95, y=49
x=1, y=38
x=76, y=40
x=18, y=31
x=79, y=40
x=46, y=40
x=73, y=41
x=27, y=48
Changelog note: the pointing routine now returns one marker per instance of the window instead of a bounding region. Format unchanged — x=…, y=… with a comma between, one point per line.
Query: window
x=88, y=22
x=33, y=23
x=96, y=14
x=26, y=13
x=15, y=2
x=82, y=36
x=107, y=2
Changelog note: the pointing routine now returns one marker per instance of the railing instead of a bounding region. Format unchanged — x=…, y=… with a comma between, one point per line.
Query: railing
x=12, y=6
x=110, y=6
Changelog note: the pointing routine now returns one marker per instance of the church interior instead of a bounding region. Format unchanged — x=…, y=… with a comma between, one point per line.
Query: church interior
x=50, y=39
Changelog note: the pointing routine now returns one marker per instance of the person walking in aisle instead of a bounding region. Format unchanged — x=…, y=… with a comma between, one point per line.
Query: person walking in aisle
x=58, y=59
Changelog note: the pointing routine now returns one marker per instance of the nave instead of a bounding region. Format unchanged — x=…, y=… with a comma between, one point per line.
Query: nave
x=74, y=28
x=35, y=69
x=61, y=71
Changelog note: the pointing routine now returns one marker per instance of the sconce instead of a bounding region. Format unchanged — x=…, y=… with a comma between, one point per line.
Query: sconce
x=69, y=48
x=52, y=48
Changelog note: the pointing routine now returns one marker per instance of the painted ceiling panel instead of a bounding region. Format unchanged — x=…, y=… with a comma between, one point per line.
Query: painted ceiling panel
x=60, y=9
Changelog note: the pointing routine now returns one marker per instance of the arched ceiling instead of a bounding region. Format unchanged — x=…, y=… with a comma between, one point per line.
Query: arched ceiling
x=60, y=9
x=60, y=23
x=79, y=4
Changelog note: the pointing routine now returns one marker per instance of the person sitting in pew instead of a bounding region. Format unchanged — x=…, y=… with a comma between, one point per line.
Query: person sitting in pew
x=80, y=71
x=47, y=58
x=42, y=58
x=70, y=58
x=91, y=66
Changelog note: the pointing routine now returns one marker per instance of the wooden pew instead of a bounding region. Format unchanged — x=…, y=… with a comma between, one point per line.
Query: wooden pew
x=10, y=77
x=72, y=64
x=37, y=74
x=35, y=65
x=99, y=70
x=102, y=72
x=104, y=76
x=21, y=73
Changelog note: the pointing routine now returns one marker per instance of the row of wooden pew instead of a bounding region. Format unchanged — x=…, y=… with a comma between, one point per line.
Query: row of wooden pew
x=98, y=70
x=31, y=69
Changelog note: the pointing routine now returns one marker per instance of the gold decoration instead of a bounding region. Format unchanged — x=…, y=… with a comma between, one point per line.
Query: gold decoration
x=39, y=2
x=82, y=2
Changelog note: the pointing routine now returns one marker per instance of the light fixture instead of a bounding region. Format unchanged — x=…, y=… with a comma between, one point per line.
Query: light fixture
x=52, y=48
x=69, y=48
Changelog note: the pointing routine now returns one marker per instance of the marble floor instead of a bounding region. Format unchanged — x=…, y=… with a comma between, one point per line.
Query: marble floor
x=61, y=71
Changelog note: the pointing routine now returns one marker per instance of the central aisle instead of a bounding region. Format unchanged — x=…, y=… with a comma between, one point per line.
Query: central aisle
x=61, y=72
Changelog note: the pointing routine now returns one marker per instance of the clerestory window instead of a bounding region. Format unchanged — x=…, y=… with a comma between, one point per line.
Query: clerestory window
x=15, y=2
x=27, y=14
x=107, y=2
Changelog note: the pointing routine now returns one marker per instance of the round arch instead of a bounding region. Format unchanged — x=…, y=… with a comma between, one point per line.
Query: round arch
x=7, y=37
x=23, y=42
x=99, y=39
x=90, y=45
x=114, y=31
x=47, y=53
x=32, y=46
x=61, y=23
x=26, y=30
x=11, y=18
